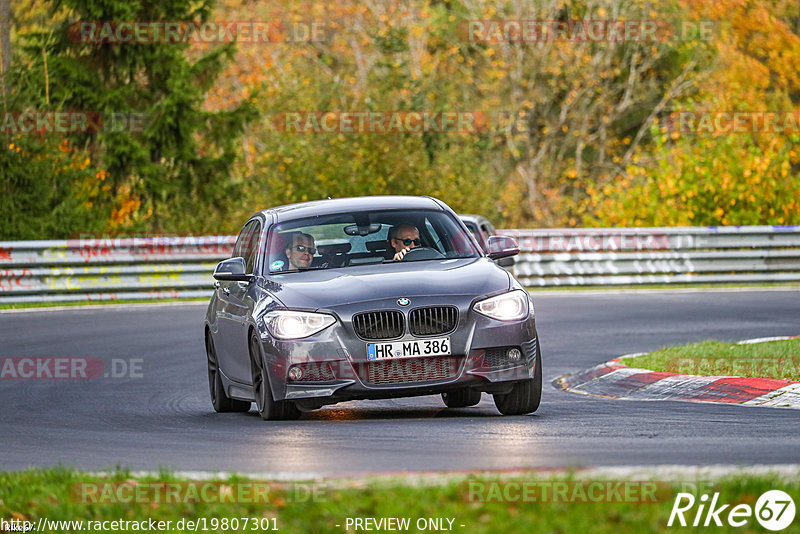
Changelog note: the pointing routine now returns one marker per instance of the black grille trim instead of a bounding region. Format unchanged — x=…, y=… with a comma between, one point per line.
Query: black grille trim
x=387, y=324
x=433, y=320
x=411, y=370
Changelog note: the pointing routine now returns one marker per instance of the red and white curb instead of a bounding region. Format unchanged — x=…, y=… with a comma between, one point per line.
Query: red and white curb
x=617, y=381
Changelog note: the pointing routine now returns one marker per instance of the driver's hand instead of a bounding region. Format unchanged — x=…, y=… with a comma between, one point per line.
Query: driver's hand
x=399, y=255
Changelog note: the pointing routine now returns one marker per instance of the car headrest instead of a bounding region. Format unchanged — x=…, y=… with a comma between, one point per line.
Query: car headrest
x=377, y=246
x=335, y=249
x=277, y=243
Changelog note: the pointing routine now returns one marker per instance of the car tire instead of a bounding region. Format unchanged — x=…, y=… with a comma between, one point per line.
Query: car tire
x=268, y=408
x=219, y=400
x=461, y=398
x=525, y=395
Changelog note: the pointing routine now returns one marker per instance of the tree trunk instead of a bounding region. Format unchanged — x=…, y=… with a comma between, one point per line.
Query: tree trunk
x=5, y=45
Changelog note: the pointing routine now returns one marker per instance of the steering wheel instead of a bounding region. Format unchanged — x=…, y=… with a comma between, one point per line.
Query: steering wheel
x=422, y=253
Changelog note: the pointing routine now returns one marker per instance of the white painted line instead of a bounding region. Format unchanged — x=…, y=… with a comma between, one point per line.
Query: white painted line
x=785, y=397
x=674, y=387
x=618, y=358
x=589, y=292
x=678, y=388
x=628, y=472
x=607, y=380
x=614, y=375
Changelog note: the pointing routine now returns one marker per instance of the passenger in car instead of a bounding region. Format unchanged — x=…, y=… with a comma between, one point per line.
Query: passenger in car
x=301, y=251
x=403, y=238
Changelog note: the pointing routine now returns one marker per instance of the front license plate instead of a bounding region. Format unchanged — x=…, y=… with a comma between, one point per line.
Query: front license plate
x=409, y=349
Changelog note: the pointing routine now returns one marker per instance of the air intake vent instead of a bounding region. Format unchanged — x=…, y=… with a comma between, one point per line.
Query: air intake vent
x=410, y=370
x=432, y=321
x=497, y=358
x=379, y=325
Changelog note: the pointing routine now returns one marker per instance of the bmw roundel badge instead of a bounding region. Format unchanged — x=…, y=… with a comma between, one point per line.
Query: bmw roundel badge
x=403, y=301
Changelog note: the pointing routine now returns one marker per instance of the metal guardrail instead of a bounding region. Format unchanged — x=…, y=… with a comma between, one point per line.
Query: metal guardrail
x=623, y=256
x=110, y=269
x=172, y=267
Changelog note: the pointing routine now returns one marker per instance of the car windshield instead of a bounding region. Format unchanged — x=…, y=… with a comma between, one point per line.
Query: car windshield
x=361, y=238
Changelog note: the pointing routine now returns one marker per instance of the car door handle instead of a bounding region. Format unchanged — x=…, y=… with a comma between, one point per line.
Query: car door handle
x=226, y=290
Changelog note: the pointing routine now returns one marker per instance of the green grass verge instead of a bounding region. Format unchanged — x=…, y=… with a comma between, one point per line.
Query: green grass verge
x=475, y=502
x=771, y=359
x=26, y=305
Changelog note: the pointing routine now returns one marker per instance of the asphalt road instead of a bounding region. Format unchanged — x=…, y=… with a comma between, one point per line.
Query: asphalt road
x=162, y=415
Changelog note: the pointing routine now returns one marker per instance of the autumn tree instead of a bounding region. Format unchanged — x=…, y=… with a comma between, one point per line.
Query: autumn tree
x=717, y=177
x=564, y=115
x=573, y=130
x=175, y=173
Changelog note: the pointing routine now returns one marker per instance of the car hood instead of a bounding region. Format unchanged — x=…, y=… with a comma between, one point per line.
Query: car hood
x=330, y=288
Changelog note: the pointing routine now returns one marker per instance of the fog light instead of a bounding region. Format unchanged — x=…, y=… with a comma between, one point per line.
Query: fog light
x=295, y=373
x=514, y=354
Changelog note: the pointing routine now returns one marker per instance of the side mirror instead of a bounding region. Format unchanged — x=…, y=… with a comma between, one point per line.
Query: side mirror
x=501, y=246
x=232, y=270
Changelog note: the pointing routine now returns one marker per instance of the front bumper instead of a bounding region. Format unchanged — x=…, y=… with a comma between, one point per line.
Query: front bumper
x=335, y=367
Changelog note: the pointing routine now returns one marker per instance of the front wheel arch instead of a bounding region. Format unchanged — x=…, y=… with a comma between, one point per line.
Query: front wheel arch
x=266, y=405
x=525, y=396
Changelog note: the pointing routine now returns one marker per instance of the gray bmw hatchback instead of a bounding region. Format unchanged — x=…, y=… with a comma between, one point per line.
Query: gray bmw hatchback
x=368, y=298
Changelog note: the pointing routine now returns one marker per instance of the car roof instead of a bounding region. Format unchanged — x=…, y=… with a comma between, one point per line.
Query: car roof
x=477, y=219
x=339, y=205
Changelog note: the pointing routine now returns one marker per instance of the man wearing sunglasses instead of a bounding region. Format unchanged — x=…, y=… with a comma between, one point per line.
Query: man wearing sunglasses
x=301, y=251
x=403, y=238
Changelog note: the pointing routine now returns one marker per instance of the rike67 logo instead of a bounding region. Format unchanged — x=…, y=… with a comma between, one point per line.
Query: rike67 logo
x=774, y=510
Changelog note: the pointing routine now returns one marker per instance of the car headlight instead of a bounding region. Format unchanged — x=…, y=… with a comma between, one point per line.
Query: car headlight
x=287, y=324
x=511, y=306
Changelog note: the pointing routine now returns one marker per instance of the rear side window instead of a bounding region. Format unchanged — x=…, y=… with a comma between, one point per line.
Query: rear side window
x=474, y=231
x=244, y=237
x=476, y=234
x=247, y=245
